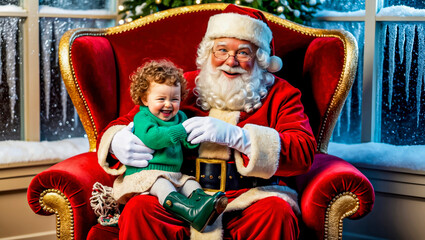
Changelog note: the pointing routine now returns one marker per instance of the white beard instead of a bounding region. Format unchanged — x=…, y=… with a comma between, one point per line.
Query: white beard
x=243, y=93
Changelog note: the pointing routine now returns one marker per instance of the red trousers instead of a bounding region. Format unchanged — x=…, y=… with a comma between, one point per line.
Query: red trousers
x=270, y=218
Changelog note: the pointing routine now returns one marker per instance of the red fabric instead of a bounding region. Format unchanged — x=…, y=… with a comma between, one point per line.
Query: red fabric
x=323, y=65
x=328, y=177
x=144, y=218
x=99, y=232
x=74, y=177
x=269, y=218
x=94, y=67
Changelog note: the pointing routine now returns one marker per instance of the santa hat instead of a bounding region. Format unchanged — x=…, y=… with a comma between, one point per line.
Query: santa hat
x=245, y=24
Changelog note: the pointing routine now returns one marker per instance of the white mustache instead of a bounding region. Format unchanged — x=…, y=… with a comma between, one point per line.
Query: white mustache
x=232, y=70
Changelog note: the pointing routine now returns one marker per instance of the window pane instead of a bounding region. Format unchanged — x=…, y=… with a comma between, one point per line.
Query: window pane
x=348, y=127
x=9, y=2
x=344, y=5
x=400, y=76
x=58, y=116
x=419, y=4
x=403, y=8
x=10, y=65
x=78, y=4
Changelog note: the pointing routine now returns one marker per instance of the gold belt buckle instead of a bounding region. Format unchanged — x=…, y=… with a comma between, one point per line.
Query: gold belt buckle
x=222, y=176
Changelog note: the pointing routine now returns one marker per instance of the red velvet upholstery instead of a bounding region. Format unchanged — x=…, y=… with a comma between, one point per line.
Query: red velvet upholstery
x=74, y=177
x=103, y=62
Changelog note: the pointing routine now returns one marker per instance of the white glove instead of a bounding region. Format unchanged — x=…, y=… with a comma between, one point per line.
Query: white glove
x=129, y=149
x=208, y=129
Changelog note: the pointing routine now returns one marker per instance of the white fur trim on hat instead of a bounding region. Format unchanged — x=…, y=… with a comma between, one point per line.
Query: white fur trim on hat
x=275, y=64
x=241, y=27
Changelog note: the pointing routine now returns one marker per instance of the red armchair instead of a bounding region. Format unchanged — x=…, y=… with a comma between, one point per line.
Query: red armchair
x=96, y=63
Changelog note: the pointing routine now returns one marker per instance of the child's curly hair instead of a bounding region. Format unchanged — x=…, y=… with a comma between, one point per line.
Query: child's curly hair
x=161, y=72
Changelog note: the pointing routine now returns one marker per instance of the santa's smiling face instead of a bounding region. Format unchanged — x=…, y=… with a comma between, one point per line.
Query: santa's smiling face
x=233, y=57
x=231, y=77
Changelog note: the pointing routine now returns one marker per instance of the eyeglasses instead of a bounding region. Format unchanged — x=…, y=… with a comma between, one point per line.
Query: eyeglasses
x=241, y=56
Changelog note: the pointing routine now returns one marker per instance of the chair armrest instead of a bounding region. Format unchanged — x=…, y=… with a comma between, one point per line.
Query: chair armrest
x=332, y=190
x=65, y=189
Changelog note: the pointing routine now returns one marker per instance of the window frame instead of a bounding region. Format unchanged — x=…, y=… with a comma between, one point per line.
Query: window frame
x=30, y=106
x=15, y=176
x=369, y=120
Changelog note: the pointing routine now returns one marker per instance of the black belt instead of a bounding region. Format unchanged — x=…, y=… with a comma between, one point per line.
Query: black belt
x=220, y=175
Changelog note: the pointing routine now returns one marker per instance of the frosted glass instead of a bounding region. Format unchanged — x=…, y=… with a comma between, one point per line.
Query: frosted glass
x=348, y=127
x=10, y=2
x=10, y=67
x=343, y=5
x=418, y=4
x=77, y=4
x=58, y=116
x=400, y=77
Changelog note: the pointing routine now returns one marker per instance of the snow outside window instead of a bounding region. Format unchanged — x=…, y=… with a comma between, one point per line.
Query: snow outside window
x=418, y=4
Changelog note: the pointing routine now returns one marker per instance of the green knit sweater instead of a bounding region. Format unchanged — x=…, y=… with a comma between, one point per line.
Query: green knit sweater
x=165, y=137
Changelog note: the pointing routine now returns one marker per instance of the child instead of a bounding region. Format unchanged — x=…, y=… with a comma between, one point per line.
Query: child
x=158, y=87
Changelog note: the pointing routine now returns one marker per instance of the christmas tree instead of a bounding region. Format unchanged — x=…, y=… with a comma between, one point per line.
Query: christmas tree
x=298, y=11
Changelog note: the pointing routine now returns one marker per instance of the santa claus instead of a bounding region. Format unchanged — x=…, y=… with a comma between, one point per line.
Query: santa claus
x=252, y=129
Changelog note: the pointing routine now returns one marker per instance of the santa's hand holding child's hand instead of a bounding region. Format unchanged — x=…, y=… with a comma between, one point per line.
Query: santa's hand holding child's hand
x=209, y=129
x=129, y=149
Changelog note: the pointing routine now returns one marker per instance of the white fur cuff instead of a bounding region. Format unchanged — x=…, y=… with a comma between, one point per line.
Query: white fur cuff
x=265, y=151
x=103, y=150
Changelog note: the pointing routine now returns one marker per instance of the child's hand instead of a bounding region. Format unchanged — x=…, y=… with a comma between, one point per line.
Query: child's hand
x=129, y=149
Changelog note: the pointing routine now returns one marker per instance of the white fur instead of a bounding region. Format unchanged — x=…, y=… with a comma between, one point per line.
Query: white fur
x=103, y=150
x=265, y=151
x=241, y=27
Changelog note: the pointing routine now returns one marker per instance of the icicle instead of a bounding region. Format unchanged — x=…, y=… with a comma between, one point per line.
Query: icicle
x=60, y=27
x=421, y=65
x=401, y=40
x=381, y=43
x=10, y=32
x=391, y=61
x=410, y=40
x=75, y=118
x=46, y=45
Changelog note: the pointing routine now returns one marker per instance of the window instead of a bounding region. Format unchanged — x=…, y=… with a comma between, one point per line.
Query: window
x=10, y=66
x=386, y=103
x=35, y=105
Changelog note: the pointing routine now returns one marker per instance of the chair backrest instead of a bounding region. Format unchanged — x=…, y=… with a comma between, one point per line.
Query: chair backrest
x=96, y=63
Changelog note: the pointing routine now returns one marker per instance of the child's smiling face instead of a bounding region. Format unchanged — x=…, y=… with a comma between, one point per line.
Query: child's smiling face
x=163, y=100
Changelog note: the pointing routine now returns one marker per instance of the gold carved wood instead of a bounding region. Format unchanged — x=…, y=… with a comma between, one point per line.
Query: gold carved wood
x=54, y=201
x=341, y=206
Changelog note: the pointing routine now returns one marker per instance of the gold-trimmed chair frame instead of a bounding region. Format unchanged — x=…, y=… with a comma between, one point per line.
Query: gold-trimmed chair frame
x=343, y=205
x=330, y=117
